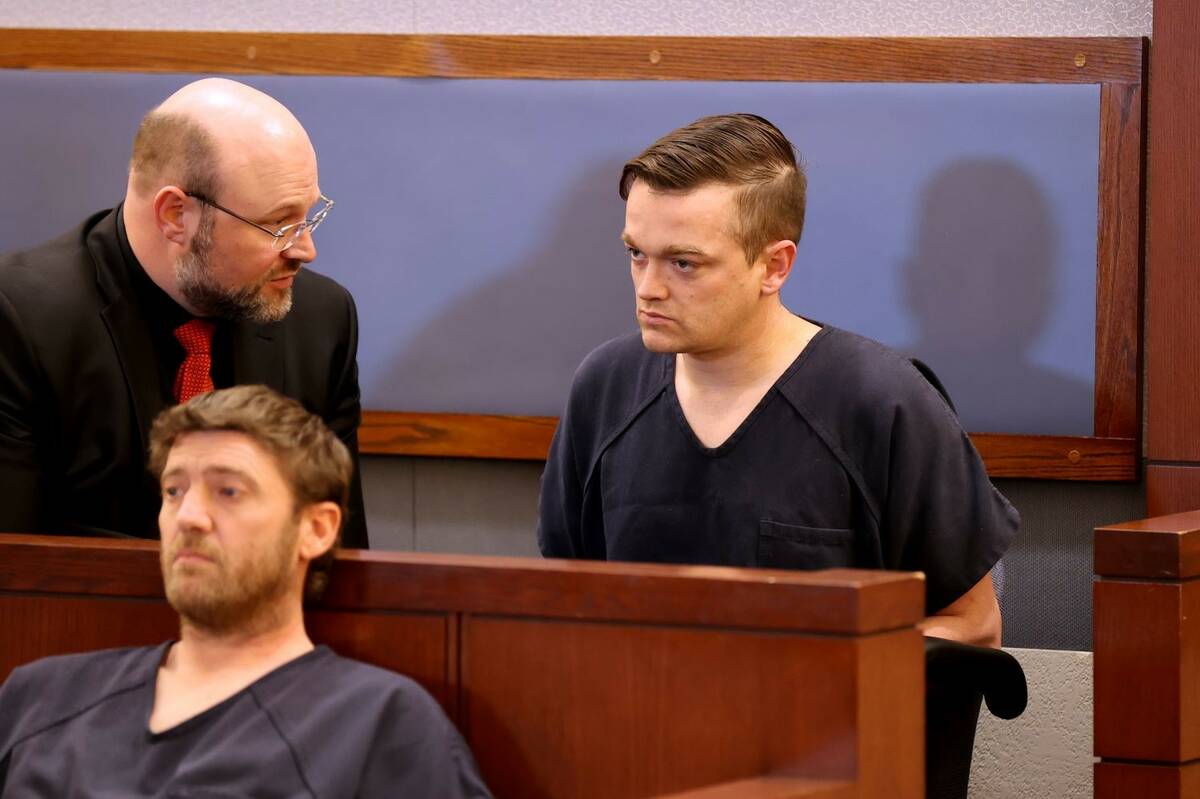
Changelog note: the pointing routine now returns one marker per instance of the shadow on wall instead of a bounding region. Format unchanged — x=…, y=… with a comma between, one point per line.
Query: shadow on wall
x=531, y=327
x=982, y=292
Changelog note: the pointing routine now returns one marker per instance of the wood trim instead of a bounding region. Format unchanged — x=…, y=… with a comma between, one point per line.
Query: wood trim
x=450, y=435
x=1147, y=653
x=1058, y=457
x=1119, y=247
x=1173, y=241
x=456, y=435
x=1172, y=488
x=837, y=601
x=772, y=787
x=1123, y=780
x=1162, y=548
x=858, y=59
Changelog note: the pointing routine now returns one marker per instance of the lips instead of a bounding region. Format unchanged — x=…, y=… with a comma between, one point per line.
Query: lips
x=652, y=317
x=191, y=556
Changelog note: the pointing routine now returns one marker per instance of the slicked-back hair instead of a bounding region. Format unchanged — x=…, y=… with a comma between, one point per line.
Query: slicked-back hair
x=315, y=463
x=740, y=150
x=174, y=149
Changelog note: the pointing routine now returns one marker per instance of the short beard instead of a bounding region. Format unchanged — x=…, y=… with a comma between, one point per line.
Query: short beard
x=244, y=598
x=194, y=276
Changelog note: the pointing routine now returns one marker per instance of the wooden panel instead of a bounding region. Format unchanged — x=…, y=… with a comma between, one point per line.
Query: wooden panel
x=1172, y=489
x=457, y=435
x=528, y=438
x=891, y=713
x=1118, y=262
x=841, y=601
x=412, y=644
x=581, y=735
x=844, y=601
x=1058, y=457
x=1124, y=780
x=773, y=788
x=1167, y=547
x=1173, y=245
x=958, y=59
x=586, y=706
x=36, y=626
x=1147, y=656
x=64, y=564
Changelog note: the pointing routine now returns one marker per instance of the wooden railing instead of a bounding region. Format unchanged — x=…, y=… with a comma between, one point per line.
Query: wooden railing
x=1146, y=617
x=575, y=679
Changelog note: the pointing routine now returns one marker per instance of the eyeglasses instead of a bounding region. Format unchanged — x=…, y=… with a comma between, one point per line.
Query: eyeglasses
x=287, y=235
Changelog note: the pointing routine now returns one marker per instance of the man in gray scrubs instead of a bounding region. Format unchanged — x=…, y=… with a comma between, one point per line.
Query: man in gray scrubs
x=254, y=491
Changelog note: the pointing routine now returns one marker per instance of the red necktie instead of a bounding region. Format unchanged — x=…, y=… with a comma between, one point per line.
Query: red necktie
x=194, y=375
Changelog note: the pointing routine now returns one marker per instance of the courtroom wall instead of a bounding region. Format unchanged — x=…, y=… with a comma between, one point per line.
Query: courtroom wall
x=489, y=506
x=609, y=17
x=465, y=506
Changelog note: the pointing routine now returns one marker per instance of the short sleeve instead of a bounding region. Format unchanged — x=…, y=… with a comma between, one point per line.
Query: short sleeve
x=940, y=513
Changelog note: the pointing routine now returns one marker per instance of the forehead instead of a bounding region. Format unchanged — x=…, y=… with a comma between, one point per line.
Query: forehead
x=708, y=212
x=224, y=450
x=261, y=174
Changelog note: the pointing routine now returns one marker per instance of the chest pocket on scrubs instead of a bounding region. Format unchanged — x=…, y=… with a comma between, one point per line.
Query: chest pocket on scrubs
x=791, y=546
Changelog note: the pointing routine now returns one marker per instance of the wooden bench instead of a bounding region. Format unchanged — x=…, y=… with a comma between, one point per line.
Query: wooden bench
x=574, y=679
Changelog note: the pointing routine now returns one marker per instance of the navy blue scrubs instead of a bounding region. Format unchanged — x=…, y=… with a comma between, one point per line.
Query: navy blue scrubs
x=851, y=459
x=318, y=726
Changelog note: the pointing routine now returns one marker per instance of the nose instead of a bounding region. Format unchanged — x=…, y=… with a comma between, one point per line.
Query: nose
x=303, y=249
x=648, y=282
x=192, y=512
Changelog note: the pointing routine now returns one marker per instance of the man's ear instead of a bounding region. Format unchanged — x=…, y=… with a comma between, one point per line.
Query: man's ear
x=319, y=525
x=172, y=209
x=778, y=257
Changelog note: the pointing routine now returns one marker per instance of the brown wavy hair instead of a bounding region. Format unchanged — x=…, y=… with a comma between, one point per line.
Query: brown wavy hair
x=315, y=463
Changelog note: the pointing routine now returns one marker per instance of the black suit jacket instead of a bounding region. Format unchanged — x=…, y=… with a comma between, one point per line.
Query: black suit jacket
x=79, y=383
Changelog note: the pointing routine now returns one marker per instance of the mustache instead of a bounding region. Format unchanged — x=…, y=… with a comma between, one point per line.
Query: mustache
x=199, y=545
x=288, y=269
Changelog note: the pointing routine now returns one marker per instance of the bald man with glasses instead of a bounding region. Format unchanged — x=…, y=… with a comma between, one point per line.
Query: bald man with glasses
x=196, y=281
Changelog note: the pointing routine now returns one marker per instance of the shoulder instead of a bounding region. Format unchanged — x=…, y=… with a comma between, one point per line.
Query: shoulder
x=611, y=386
x=616, y=360
x=844, y=374
x=47, y=691
x=620, y=370
x=52, y=273
x=347, y=683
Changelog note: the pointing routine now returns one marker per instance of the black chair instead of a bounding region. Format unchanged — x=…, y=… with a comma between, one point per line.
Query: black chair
x=957, y=678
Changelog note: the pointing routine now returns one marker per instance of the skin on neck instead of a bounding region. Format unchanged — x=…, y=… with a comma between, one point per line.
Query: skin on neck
x=773, y=339
x=252, y=132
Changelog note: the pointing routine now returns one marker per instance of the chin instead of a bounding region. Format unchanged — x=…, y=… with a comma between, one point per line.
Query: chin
x=658, y=342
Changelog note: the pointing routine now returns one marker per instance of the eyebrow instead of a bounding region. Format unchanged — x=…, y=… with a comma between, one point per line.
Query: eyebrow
x=671, y=250
x=221, y=471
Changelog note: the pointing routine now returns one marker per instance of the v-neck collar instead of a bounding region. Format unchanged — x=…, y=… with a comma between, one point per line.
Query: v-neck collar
x=746, y=423
x=188, y=724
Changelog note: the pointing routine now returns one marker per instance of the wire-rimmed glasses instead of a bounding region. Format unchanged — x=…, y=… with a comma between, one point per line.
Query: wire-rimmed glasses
x=287, y=235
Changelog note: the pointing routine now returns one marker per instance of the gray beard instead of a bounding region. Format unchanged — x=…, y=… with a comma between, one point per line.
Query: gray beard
x=193, y=275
